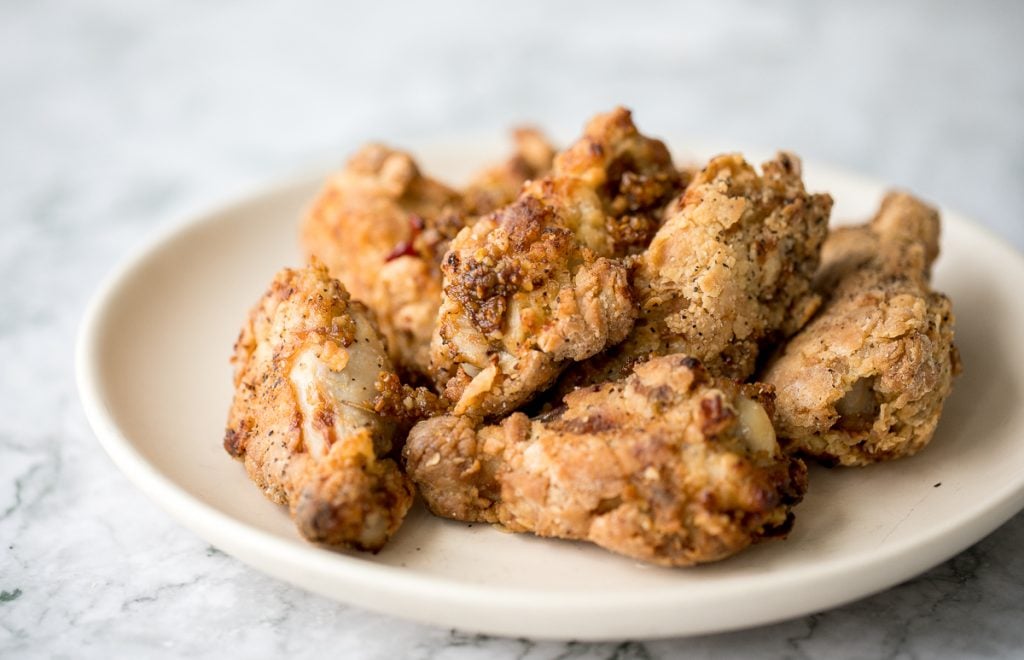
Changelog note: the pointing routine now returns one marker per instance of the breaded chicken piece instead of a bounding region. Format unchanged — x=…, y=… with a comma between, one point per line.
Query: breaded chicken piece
x=728, y=272
x=315, y=411
x=528, y=289
x=498, y=185
x=670, y=466
x=611, y=185
x=521, y=299
x=865, y=381
x=380, y=227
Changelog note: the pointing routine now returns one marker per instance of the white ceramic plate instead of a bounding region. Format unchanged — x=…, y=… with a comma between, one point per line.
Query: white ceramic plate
x=155, y=382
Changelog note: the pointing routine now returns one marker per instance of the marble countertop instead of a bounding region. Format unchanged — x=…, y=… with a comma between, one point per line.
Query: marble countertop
x=117, y=117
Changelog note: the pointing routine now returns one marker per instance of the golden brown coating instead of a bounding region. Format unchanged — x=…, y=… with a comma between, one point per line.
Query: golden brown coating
x=728, y=272
x=529, y=288
x=611, y=185
x=315, y=410
x=866, y=379
x=498, y=185
x=521, y=298
x=670, y=466
x=381, y=226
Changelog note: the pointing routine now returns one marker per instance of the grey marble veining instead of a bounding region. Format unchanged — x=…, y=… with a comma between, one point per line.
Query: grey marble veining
x=116, y=117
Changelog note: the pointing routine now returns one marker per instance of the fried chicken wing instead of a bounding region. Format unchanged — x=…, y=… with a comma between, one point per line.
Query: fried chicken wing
x=728, y=272
x=670, y=466
x=522, y=298
x=611, y=185
x=316, y=408
x=539, y=282
x=865, y=381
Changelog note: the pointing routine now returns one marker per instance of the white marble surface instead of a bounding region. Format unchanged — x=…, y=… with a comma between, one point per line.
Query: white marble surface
x=116, y=117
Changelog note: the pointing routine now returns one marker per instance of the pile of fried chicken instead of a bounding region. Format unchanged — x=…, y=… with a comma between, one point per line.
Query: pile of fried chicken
x=594, y=344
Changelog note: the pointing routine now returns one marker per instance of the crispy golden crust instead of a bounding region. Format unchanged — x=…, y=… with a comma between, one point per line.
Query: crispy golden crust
x=611, y=185
x=866, y=379
x=380, y=226
x=537, y=283
x=496, y=186
x=311, y=377
x=670, y=466
x=728, y=272
x=521, y=298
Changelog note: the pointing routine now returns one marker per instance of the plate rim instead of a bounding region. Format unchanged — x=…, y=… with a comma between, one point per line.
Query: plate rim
x=244, y=541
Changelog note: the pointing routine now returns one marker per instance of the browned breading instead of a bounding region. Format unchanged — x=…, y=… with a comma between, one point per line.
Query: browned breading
x=315, y=410
x=498, y=185
x=522, y=298
x=537, y=284
x=866, y=379
x=379, y=225
x=643, y=292
x=611, y=185
x=728, y=272
x=670, y=466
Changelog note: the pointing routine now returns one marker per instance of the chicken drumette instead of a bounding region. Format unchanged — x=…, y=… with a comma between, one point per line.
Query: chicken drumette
x=728, y=272
x=315, y=410
x=866, y=379
x=671, y=466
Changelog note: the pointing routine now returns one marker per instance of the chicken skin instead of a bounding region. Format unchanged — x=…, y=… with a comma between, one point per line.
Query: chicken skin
x=611, y=186
x=865, y=381
x=669, y=466
x=729, y=271
x=316, y=408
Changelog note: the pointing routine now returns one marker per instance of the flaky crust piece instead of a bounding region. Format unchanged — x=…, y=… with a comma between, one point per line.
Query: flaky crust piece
x=670, y=466
x=866, y=379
